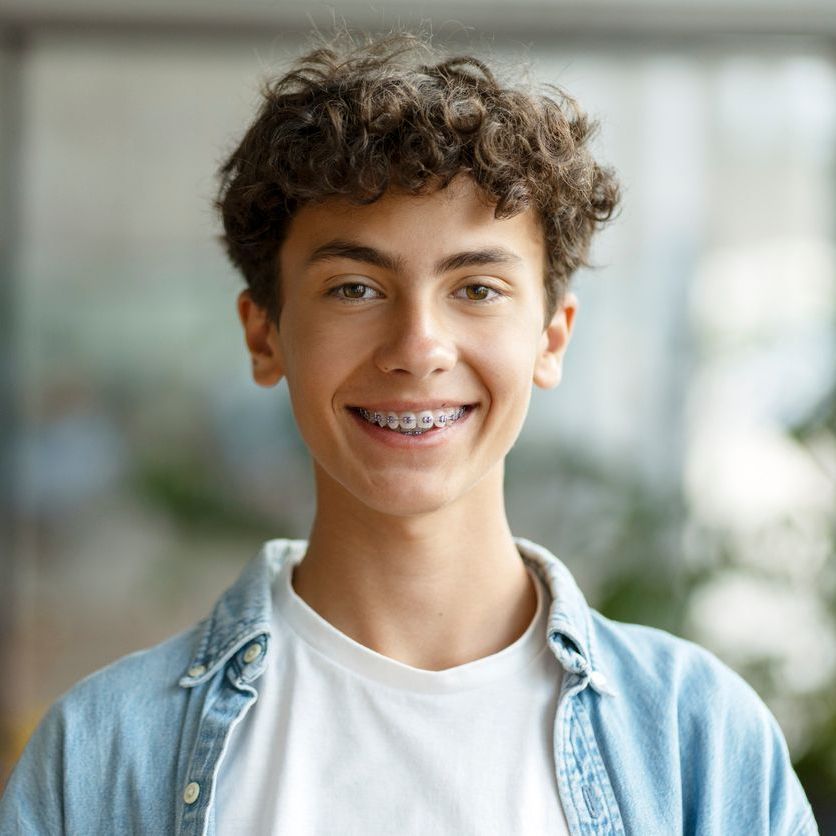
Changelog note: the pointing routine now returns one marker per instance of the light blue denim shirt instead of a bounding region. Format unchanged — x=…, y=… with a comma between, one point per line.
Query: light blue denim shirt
x=653, y=735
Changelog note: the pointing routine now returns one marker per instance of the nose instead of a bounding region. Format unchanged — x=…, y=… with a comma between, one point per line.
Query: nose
x=416, y=342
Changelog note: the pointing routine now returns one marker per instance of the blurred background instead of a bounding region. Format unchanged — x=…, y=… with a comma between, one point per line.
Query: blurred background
x=684, y=469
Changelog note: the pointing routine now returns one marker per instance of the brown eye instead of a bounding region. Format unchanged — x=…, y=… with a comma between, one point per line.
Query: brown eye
x=477, y=292
x=354, y=292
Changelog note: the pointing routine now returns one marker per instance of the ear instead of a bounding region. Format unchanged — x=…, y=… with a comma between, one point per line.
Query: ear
x=548, y=369
x=262, y=338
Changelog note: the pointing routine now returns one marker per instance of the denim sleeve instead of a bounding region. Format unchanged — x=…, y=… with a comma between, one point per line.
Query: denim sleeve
x=33, y=800
x=743, y=758
x=789, y=810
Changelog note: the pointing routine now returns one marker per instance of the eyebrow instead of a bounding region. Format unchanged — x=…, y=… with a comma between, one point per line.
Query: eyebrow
x=369, y=255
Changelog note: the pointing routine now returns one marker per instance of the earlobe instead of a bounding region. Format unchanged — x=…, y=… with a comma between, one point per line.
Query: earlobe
x=262, y=338
x=548, y=368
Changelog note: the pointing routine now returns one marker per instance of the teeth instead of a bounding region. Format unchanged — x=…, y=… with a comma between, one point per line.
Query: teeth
x=426, y=419
x=413, y=423
x=408, y=421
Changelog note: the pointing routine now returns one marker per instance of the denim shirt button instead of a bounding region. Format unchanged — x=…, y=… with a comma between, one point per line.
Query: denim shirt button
x=191, y=792
x=197, y=670
x=252, y=653
x=598, y=680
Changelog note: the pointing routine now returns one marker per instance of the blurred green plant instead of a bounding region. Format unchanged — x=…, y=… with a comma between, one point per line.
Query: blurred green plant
x=817, y=766
x=199, y=499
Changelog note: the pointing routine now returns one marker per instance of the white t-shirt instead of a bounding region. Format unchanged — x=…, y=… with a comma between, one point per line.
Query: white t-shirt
x=344, y=740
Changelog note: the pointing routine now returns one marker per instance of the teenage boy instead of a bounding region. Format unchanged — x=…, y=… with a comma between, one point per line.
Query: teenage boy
x=407, y=228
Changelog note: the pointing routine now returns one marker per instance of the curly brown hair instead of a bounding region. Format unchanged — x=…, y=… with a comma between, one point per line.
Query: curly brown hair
x=353, y=121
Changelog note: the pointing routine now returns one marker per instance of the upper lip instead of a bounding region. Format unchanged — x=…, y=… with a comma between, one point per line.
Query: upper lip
x=411, y=406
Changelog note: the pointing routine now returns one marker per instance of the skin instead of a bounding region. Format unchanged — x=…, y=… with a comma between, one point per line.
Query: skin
x=410, y=552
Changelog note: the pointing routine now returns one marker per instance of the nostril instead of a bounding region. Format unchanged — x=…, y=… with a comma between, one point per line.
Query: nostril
x=418, y=363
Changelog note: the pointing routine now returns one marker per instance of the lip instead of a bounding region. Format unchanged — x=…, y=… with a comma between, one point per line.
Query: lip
x=430, y=438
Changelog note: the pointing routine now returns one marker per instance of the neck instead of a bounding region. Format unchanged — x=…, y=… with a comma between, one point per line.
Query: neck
x=433, y=591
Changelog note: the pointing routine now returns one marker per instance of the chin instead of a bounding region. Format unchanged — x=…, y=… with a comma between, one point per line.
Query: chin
x=414, y=503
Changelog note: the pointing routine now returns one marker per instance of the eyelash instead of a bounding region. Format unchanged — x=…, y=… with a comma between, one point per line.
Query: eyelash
x=495, y=295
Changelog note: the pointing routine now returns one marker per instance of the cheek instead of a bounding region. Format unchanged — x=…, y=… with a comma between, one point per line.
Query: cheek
x=320, y=359
x=306, y=367
x=303, y=343
x=506, y=359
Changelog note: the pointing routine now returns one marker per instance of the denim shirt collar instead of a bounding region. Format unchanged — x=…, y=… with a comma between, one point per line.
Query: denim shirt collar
x=243, y=614
x=570, y=632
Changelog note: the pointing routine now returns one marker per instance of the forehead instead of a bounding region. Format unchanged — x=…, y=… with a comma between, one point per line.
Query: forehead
x=418, y=229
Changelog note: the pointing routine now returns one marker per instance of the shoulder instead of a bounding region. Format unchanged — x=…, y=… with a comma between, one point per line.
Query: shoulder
x=692, y=678
x=132, y=712
x=651, y=667
x=704, y=722
x=138, y=691
x=131, y=684
x=116, y=728
x=661, y=660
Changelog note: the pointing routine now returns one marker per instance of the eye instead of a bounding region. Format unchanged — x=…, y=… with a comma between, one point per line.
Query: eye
x=479, y=293
x=354, y=292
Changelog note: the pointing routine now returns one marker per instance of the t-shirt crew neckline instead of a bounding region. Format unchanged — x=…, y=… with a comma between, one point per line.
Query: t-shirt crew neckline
x=364, y=662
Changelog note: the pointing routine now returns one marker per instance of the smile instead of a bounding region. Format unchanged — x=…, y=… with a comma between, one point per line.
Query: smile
x=413, y=423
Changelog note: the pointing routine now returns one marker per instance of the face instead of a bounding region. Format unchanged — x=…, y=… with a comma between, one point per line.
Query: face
x=422, y=306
